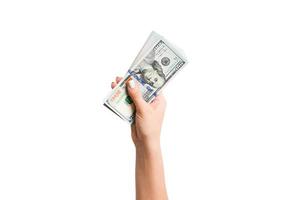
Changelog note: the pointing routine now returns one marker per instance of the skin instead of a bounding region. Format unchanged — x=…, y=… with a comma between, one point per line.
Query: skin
x=145, y=133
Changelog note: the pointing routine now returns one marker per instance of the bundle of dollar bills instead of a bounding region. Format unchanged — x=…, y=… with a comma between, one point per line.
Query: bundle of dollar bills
x=156, y=63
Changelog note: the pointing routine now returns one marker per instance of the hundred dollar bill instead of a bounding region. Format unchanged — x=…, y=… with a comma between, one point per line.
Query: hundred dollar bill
x=157, y=62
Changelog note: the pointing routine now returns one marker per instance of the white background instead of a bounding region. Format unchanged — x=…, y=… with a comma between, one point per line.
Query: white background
x=231, y=130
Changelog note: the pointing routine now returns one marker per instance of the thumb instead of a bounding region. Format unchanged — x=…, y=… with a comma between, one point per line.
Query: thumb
x=136, y=95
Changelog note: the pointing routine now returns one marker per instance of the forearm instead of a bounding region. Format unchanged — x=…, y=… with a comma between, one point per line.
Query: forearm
x=150, y=181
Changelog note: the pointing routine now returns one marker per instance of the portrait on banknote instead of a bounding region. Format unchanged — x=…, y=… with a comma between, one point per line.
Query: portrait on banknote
x=150, y=72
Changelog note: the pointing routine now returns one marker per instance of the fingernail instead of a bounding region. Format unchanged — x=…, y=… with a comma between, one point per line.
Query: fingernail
x=131, y=83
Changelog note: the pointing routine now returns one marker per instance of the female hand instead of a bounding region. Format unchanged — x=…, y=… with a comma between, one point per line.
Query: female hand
x=149, y=117
x=145, y=132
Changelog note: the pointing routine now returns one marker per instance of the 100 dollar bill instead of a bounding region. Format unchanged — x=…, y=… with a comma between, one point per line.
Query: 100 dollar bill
x=157, y=62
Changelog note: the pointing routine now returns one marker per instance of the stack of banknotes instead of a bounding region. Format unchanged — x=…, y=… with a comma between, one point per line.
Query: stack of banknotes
x=156, y=63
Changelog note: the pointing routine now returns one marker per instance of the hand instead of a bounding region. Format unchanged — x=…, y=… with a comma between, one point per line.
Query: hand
x=145, y=130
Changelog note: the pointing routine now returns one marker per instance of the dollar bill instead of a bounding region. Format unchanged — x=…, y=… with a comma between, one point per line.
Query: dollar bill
x=156, y=63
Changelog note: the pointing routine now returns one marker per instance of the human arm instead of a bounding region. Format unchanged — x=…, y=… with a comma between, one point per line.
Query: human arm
x=145, y=132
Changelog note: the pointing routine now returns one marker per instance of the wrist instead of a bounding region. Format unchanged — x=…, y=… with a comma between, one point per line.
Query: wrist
x=148, y=146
